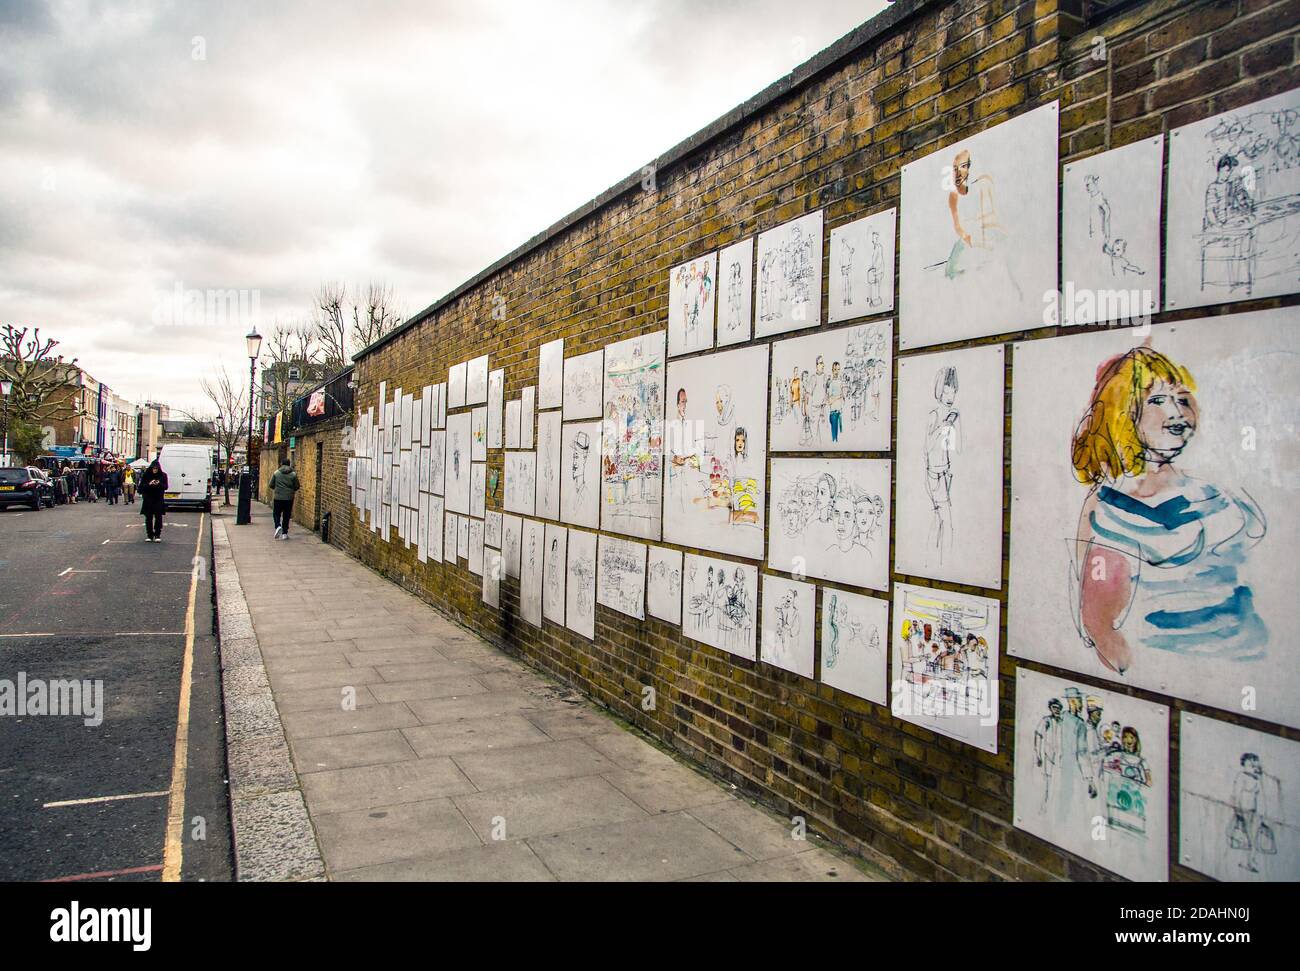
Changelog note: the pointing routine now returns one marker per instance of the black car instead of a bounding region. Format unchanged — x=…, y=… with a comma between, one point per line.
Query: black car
x=25, y=486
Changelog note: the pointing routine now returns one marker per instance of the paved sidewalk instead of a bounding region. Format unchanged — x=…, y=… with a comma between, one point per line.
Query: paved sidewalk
x=460, y=762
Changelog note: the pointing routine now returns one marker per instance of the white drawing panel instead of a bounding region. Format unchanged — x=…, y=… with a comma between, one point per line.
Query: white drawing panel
x=736, y=293
x=550, y=465
x=1074, y=778
x=476, y=381
x=580, y=589
x=715, y=454
x=526, y=416
x=512, y=539
x=790, y=276
x=945, y=648
x=861, y=273
x=456, y=376
x=521, y=482
x=620, y=575
x=1233, y=221
x=1154, y=508
x=950, y=456
x=530, y=572
x=478, y=435
x=720, y=604
x=830, y=520
x=450, y=537
x=632, y=448
x=492, y=568
x=978, y=238
x=496, y=408
x=1110, y=234
x=550, y=374
x=456, y=464
x=831, y=390
x=478, y=489
x=692, y=289
x=435, y=536
x=476, y=546
x=1239, y=802
x=580, y=474
x=583, y=382
x=789, y=624
x=664, y=584
x=492, y=529
x=555, y=569
x=855, y=641
x=462, y=537
x=514, y=412
x=437, y=462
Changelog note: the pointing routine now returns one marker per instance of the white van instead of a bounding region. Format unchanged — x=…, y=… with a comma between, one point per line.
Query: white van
x=189, y=476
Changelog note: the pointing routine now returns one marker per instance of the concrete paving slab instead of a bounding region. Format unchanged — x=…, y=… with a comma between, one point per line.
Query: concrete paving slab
x=538, y=809
x=367, y=786
x=366, y=837
x=343, y=751
x=532, y=763
x=667, y=789
x=509, y=862
x=323, y=723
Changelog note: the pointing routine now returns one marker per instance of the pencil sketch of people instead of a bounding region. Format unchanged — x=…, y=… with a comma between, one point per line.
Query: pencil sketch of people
x=584, y=575
x=696, y=284
x=942, y=439
x=981, y=239
x=876, y=272
x=1251, y=832
x=786, y=277
x=701, y=603
x=554, y=583
x=578, y=455
x=735, y=616
x=846, y=272
x=1157, y=553
x=1099, y=228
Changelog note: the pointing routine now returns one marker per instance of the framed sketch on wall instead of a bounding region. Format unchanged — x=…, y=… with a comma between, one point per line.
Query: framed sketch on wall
x=514, y=411
x=830, y=520
x=550, y=374
x=527, y=416
x=720, y=604
x=450, y=537
x=530, y=572
x=715, y=454
x=478, y=434
x=1090, y=761
x=457, y=462
x=580, y=587
x=790, y=276
x=491, y=577
x=583, y=376
x=855, y=639
x=555, y=570
x=476, y=381
x=949, y=505
x=789, y=624
x=692, y=288
x=496, y=407
x=831, y=390
x=580, y=473
x=456, y=376
x=512, y=539
x=978, y=239
x=736, y=293
x=1110, y=234
x=521, y=482
x=1153, y=514
x=664, y=584
x=1234, y=206
x=549, y=465
x=477, y=489
x=861, y=270
x=632, y=454
x=620, y=575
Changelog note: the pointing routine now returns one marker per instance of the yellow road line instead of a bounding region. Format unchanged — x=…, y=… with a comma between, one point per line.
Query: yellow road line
x=173, y=847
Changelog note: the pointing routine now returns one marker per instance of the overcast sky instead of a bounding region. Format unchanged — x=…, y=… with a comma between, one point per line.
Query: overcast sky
x=269, y=147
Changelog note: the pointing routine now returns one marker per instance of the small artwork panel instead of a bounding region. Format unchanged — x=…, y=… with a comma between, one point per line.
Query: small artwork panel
x=950, y=428
x=580, y=474
x=855, y=639
x=736, y=298
x=550, y=466
x=462, y=537
x=720, y=604
x=496, y=408
x=476, y=381
x=555, y=569
x=492, y=567
x=1233, y=226
x=492, y=529
x=946, y=663
x=978, y=239
x=550, y=374
x=1090, y=761
x=527, y=413
x=1110, y=234
x=692, y=288
x=715, y=456
x=530, y=572
x=790, y=276
x=1239, y=802
x=476, y=546
x=831, y=390
x=664, y=584
x=450, y=537
x=632, y=446
x=862, y=268
x=620, y=576
x=789, y=624
x=478, y=435
x=521, y=482
x=478, y=489
x=514, y=409
x=580, y=590
x=457, y=462
x=456, y=376
x=512, y=542
x=437, y=462
x=436, y=530
x=830, y=520
x=583, y=376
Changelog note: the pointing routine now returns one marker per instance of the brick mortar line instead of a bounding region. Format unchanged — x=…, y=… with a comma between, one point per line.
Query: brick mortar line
x=259, y=834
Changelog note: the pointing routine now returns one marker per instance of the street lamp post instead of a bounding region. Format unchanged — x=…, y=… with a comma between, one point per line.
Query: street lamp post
x=244, y=511
x=5, y=387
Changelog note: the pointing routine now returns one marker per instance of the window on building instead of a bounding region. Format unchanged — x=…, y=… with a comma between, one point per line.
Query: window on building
x=294, y=374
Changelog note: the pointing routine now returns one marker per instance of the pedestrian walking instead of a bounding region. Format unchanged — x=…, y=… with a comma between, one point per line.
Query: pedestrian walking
x=112, y=484
x=284, y=485
x=128, y=484
x=153, y=489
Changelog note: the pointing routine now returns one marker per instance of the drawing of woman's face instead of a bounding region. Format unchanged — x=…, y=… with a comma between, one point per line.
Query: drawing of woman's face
x=824, y=492
x=807, y=497
x=1130, y=742
x=1167, y=419
x=864, y=515
x=681, y=402
x=961, y=170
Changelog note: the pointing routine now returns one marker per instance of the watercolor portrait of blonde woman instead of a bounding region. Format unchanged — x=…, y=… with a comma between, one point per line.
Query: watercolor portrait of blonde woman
x=1158, y=551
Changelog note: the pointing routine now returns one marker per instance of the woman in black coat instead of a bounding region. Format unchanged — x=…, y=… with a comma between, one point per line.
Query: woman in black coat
x=152, y=489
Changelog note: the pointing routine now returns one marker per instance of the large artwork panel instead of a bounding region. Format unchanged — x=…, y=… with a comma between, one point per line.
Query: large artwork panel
x=862, y=268
x=950, y=422
x=1232, y=231
x=945, y=648
x=830, y=520
x=831, y=390
x=549, y=465
x=580, y=474
x=720, y=604
x=790, y=276
x=1092, y=774
x=1154, y=509
x=979, y=233
x=692, y=287
x=456, y=467
x=632, y=444
x=1239, y=801
x=715, y=452
x=583, y=376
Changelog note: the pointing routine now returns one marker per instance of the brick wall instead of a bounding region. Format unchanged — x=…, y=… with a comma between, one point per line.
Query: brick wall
x=833, y=136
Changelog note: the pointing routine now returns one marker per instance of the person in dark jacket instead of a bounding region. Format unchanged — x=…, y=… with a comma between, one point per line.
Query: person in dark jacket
x=284, y=484
x=153, y=489
x=112, y=484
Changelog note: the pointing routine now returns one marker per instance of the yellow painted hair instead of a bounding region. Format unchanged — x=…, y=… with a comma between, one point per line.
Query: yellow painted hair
x=1106, y=445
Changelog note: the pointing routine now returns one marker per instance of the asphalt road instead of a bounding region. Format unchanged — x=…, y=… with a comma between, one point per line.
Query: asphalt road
x=84, y=597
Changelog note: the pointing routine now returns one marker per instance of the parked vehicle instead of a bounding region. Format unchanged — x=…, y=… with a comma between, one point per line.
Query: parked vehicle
x=25, y=486
x=189, y=476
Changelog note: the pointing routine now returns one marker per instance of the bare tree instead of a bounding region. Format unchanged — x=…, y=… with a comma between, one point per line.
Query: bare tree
x=346, y=325
x=290, y=349
x=231, y=424
x=374, y=315
x=44, y=385
x=332, y=327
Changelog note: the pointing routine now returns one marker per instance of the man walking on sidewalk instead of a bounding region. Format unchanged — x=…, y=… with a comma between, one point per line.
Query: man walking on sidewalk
x=284, y=485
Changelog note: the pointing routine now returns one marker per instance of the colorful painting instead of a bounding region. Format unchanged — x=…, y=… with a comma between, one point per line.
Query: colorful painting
x=632, y=441
x=692, y=288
